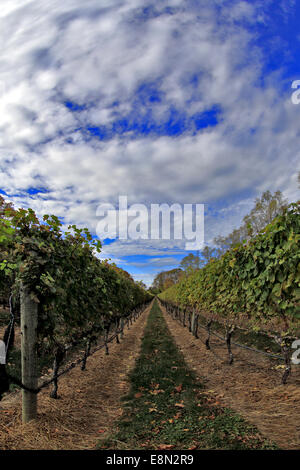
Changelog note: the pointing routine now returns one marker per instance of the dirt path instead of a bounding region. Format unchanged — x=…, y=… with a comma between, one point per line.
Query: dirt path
x=89, y=401
x=249, y=386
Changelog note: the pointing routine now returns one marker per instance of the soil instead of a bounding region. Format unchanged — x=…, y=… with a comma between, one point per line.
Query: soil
x=88, y=403
x=251, y=385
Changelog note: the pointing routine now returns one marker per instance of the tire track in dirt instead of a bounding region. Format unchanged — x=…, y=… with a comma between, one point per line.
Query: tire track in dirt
x=248, y=386
x=89, y=401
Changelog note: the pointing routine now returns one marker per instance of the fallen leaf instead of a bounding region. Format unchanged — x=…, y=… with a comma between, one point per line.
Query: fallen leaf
x=156, y=392
x=165, y=446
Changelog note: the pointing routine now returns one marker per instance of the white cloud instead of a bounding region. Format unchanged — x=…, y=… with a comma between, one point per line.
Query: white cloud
x=159, y=262
x=98, y=55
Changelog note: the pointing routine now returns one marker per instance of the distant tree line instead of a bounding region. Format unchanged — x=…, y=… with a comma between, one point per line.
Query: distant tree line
x=265, y=209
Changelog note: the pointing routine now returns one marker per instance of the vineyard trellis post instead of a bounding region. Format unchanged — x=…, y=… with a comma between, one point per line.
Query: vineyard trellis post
x=228, y=335
x=208, y=327
x=196, y=326
x=122, y=328
x=117, y=324
x=190, y=322
x=86, y=353
x=29, y=320
x=193, y=322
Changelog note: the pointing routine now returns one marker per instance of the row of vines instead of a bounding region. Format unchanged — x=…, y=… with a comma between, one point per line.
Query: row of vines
x=255, y=285
x=78, y=297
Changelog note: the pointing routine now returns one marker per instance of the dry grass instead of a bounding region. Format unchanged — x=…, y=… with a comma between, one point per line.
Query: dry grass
x=88, y=405
x=251, y=386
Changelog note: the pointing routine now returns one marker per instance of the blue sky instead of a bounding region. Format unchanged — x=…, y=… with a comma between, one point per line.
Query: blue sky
x=177, y=101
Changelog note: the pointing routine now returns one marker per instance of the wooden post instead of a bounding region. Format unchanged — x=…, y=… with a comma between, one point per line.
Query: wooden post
x=117, y=327
x=196, y=326
x=106, y=339
x=87, y=353
x=228, y=342
x=29, y=319
x=208, y=326
x=122, y=328
x=193, y=322
x=190, y=321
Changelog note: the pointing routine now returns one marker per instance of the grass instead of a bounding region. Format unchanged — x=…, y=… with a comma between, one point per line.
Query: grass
x=168, y=408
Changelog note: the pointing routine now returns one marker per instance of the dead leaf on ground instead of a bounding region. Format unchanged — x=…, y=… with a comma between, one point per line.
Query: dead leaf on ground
x=156, y=392
x=166, y=447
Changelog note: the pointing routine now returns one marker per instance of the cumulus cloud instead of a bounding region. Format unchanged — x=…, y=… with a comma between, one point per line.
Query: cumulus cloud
x=137, y=61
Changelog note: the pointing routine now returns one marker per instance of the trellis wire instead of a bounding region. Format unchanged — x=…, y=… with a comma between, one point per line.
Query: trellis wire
x=45, y=384
x=244, y=346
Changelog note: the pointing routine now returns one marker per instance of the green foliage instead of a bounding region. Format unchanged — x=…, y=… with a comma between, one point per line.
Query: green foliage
x=76, y=292
x=260, y=278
